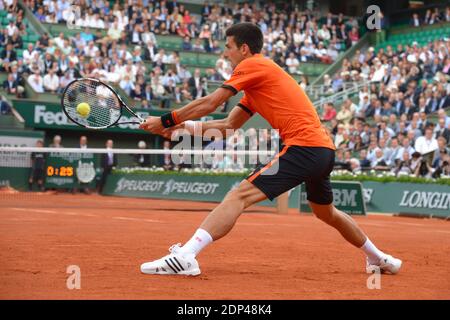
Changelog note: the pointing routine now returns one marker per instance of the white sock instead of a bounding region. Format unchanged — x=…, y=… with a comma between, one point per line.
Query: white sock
x=372, y=252
x=199, y=240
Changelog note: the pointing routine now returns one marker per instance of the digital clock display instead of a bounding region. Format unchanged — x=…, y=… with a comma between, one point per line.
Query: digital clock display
x=65, y=171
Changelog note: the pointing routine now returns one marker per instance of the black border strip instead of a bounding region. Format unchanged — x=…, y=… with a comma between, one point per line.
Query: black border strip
x=246, y=109
x=227, y=86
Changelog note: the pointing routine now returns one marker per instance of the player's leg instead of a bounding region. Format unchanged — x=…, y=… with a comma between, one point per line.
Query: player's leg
x=340, y=221
x=320, y=199
x=222, y=219
x=217, y=224
x=267, y=181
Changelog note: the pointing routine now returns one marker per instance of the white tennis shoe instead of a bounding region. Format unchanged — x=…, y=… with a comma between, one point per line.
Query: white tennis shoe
x=387, y=264
x=177, y=263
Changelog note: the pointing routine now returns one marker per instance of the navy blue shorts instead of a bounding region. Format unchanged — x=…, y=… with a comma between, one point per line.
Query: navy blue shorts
x=294, y=165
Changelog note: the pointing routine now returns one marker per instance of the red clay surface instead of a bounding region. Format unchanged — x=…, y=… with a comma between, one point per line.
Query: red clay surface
x=266, y=256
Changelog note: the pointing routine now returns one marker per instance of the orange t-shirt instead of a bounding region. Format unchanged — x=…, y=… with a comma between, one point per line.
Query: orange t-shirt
x=277, y=97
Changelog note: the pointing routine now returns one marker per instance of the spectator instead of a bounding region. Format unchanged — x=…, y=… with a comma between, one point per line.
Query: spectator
x=427, y=143
x=186, y=45
x=56, y=142
x=5, y=108
x=292, y=63
x=12, y=86
x=8, y=54
x=37, y=173
x=353, y=36
x=379, y=163
x=166, y=158
x=36, y=82
x=51, y=81
x=329, y=112
x=442, y=147
x=344, y=115
x=441, y=165
x=394, y=152
x=404, y=165
x=423, y=169
x=108, y=162
x=415, y=20
x=198, y=46
x=142, y=160
x=363, y=161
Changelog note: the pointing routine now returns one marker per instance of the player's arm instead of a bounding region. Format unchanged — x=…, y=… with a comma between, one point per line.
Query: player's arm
x=204, y=105
x=194, y=110
x=235, y=119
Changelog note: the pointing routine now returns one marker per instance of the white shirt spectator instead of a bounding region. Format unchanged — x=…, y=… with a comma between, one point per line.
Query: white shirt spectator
x=298, y=37
x=160, y=55
x=11, y=29
x=90, y=51
x=320, y=52
x=36, y=82
x=113, y=76
x=149, y=36
x=51, y=19
x=332, y=53
x=65, y=80
x=403, y=149
x=59, y=41
x=379, y=73
x=424, y=145
x=95, y=22
x=114, y=32
x=167, y=78
x=171, y=59
x=324, y=34
x=292, y=64
x=28, y=56
x=51, y=82
x=68, y=15
x=81, y=22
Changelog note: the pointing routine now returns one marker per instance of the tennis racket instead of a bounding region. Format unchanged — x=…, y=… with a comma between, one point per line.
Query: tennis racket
x=106, y=106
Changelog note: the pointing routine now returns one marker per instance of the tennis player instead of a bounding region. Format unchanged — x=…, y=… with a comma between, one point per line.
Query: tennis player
x=307, y=155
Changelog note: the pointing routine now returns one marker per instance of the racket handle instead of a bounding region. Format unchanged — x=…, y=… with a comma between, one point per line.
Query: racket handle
x=129, y=122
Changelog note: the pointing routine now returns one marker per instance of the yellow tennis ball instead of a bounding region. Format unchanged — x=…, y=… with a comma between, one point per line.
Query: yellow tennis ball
x=83, y=109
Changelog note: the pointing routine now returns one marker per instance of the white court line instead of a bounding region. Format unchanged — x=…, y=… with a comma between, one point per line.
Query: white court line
x=84, y=214
x=54, y=212
x=136, y=219
x=440, y=231
x=34, y=210
x=371, y=223
x=412, y=224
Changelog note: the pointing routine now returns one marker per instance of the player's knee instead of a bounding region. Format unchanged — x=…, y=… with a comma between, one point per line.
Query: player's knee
x=239, y=197
x=325, y=213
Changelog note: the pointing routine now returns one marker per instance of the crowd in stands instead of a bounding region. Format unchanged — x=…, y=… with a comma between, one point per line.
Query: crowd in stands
x=405, y=85
x=125, y=53
x=387, y=126
x=430, y=17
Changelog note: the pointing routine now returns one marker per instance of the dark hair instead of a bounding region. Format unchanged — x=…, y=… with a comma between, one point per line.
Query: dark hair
x=247, y=33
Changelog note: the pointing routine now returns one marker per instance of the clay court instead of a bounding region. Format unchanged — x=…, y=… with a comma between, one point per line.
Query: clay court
x=266, y=256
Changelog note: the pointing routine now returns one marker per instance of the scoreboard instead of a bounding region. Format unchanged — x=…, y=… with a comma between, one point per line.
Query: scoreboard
x=66, y=170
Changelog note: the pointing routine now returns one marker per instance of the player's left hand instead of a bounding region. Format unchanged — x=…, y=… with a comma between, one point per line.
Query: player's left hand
x=152, y=125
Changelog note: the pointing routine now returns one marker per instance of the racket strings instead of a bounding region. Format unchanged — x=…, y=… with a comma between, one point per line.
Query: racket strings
x=105, y=107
